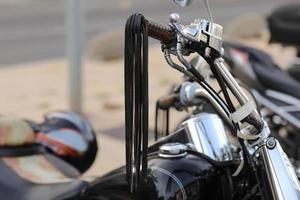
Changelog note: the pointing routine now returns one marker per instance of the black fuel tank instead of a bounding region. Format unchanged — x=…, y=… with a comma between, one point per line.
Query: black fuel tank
x=187, y=177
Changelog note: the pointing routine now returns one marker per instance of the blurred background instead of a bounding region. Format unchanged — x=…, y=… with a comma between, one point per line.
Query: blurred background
x=35, y=72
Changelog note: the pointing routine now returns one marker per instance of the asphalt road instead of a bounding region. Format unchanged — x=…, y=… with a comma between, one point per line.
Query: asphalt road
x=35, y=29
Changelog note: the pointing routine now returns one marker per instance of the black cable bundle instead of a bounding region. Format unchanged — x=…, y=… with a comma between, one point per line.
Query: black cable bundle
x=136, y=101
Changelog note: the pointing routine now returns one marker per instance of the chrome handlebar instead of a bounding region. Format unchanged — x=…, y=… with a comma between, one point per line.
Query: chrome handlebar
x=208, y=37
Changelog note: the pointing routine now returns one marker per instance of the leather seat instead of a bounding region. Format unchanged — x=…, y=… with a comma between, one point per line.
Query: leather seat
x=15, y=187
x=269, y=75
x=30, y=171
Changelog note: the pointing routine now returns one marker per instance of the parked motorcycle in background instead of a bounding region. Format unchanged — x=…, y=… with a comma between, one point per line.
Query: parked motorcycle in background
x=276, y=90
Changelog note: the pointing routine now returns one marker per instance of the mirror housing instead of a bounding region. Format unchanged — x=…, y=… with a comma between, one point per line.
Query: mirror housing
x=183, y=3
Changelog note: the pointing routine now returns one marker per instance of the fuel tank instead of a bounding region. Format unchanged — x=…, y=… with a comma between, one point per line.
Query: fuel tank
x=186, y=177
x=182, y=177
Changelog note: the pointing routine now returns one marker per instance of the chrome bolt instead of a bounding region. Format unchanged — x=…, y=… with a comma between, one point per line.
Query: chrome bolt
x=208, y=51
x=271, y=143
x=172, y=150
x=174, y=18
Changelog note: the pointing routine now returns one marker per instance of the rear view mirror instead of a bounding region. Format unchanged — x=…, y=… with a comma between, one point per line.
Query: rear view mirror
x=183, y=3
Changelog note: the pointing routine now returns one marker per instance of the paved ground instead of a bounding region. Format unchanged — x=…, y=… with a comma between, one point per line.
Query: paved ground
x=33, y=30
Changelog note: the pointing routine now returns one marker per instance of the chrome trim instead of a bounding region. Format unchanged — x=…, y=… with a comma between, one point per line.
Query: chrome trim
x=214, y=32
x=207, y=133
x=192, y=93
x=235, y=88
x=172, y=150
x=200, y=31
x=282, y=178
x=232, y=83
x=183, y=3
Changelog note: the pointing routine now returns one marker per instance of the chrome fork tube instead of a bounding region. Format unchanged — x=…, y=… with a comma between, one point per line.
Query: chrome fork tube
x=231, y=82
x=234, y=86
x=282, y=178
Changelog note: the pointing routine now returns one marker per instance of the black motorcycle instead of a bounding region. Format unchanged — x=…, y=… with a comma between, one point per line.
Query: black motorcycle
x=222, y=150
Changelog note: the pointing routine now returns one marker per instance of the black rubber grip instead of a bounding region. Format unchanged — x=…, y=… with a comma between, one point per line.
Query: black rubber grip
x=163, y=33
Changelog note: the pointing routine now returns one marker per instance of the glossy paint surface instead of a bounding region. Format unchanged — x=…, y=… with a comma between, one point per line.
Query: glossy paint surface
x=189, y=177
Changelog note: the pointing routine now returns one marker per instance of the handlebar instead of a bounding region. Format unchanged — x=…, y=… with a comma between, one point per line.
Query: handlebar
x=167, y=34
x=161, y=32
x=167, y=101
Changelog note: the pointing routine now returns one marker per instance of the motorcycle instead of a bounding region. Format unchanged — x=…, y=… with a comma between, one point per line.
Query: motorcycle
x=197, y=160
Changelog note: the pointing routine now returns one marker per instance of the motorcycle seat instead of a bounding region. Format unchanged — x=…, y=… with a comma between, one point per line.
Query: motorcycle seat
x=28, y=171
x=284, y=24
x=28, y=181
x=267, y=73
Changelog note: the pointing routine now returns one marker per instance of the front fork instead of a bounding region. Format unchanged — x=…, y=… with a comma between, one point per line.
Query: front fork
x=281, y=175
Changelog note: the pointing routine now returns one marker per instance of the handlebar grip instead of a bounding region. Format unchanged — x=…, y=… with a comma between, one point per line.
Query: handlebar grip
x=167, y=101
x=163, y=33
